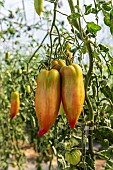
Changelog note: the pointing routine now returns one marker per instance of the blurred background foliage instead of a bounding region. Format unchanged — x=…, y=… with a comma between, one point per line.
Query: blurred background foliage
x=25, y=49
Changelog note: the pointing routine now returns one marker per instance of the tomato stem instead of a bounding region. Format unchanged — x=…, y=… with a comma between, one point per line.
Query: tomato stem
x=53, y=24
x=87, y=41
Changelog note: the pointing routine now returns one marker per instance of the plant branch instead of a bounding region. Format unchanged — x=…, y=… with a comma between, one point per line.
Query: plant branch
x=37, y=48
x=71, y=4
x=91, y=113
x=62, y=13
x=53, y=24
x=101, y=155
x=72, y=8
x=23, y=4
x=88, y=77
x=28, y=63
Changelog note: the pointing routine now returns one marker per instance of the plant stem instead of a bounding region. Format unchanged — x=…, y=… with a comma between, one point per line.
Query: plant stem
x=28, y=64
x=72, y=8
x=37, y=50
x=71, y=4
x=91, y=113
x=50, y=164
x=87, y=79
x=53, y=24
x=23, y=4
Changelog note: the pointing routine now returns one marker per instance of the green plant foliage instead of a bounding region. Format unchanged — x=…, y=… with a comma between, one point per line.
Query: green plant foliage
x=28, y=48
x=88, y=9
x=92, y=27
x=111, y=21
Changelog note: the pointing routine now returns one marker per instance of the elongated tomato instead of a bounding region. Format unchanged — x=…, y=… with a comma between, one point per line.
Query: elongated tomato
x=47, y=99
x=15, y=104
x=73, y=92
x=38, y=4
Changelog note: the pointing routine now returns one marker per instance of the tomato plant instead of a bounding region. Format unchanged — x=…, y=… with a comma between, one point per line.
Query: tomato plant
x=66, y=38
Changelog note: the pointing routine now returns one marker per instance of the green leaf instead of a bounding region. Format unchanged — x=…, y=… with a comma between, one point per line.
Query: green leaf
x=88, y=9
x=111, y=29
x=108, y=152
x=111, y=21
x=104, y=132
x=107, y=20
x=107, y=92
x=75, y=15
x=92, y=27
x=106, y=7
x=103, y=48
x=105, y=143
x=110, y=57
x=109, y=165
x=94, y=11
x=96, y=55
x=1, y=4
x=111, y=14
x=101, y=1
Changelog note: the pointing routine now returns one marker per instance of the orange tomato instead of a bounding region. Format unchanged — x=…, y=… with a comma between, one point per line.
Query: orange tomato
x=47, y=99
x=15, y=104
x=73, y=93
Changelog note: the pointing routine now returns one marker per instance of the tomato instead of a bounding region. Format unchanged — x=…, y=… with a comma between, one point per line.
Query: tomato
x=69, y=54
x=47, y=99
x=38, y=4
x=57, y=67
x=15, y=104
x=7, y=55
x=14, y=164
x=61, y=63
x=20, y=71
x=73, y=157
x=57, y=64
x=68, y=46
x=28, y=89
x=72, y=92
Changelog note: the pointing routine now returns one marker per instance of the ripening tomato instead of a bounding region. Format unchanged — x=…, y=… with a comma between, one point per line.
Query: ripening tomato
x=47, y=99
x=15, y=104
x=72, y=92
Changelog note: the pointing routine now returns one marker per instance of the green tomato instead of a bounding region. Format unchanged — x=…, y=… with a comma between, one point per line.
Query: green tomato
x=27, y=88
x=38, y=4
x=7, y=55
x=73, y=156
x=19, y=71
x=14, y=164
x=68, y=46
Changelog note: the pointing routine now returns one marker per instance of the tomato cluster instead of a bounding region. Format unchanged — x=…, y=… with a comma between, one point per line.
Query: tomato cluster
x=61, y=83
